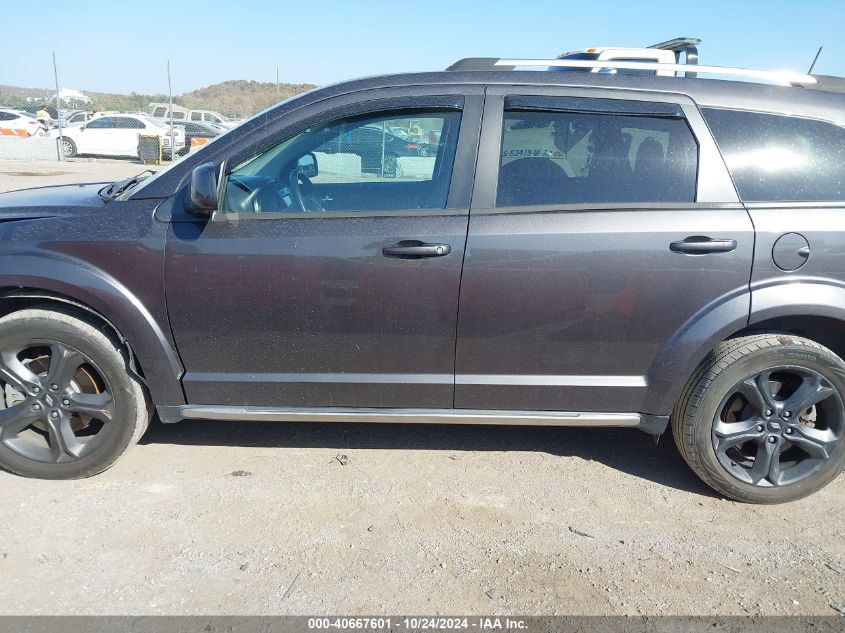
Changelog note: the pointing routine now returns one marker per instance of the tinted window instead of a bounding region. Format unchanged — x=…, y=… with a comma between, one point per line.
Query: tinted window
x=128, y=123
x=580, y=157
x=178, y=115
x=196, y=116
x=7, y=116
x=780, y=158
x=101, y=123
x=159, y=111
x=374, y=163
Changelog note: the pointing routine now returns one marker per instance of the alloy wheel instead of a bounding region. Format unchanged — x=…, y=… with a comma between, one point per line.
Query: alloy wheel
x=779, y=426
x=55, y=405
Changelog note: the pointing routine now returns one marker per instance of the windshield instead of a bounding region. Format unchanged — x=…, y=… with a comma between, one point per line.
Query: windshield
x=224, y=132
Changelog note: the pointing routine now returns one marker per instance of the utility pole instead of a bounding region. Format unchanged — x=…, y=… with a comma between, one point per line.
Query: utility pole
x=278, y=91
x=58, y=111
x=170, y=102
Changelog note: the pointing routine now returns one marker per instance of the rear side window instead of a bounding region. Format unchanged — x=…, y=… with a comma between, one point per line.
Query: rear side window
x=775, y=158
x=586, y=157
x=127, y=123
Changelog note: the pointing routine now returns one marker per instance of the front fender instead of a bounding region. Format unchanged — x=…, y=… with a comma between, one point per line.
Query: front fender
x=56, y=273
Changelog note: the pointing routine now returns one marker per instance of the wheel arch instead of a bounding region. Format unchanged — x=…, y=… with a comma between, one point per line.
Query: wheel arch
x=811, y=308
x=28, y=281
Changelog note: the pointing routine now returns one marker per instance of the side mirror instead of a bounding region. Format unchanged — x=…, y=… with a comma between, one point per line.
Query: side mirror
x=307, y=165
x=203, y=197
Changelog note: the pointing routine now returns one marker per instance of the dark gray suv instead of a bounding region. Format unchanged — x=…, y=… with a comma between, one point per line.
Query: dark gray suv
x=577, y=249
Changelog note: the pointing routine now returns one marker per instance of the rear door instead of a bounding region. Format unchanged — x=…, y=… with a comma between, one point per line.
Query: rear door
x=601, y=223
x=126, y=134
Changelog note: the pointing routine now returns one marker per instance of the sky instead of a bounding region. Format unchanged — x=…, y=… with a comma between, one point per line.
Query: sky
x=122, y=46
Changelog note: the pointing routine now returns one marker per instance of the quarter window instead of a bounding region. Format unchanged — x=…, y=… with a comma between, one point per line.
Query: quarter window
x=384, y=162
x=591, y=157
x=775, y=158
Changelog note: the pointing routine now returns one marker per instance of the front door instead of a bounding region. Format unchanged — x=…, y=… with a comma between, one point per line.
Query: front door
x=599, y=227
x=320, y=283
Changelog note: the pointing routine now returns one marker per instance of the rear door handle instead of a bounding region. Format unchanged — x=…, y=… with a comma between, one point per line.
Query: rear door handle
x=414, y=249
x=701, y=245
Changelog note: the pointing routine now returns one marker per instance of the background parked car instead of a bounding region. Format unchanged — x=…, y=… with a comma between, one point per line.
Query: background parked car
x=77, y=117
x=116, y=135
x=197, y=130
x=16, y=120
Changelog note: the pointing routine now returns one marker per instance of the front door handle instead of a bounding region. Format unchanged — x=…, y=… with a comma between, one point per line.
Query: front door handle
x=701, y=245
x=414, y=249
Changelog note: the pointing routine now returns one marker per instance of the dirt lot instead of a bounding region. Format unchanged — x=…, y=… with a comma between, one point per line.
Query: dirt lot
x=19, y=174
x=258, y=518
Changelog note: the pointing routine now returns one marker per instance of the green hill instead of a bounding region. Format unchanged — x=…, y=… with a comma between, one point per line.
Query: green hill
x=236, y=98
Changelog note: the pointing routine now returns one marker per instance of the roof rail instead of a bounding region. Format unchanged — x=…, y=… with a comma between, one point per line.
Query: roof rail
x=777, y=76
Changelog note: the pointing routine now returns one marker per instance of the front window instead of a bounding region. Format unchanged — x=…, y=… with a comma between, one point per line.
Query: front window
x=352, y=164
x=102, y=122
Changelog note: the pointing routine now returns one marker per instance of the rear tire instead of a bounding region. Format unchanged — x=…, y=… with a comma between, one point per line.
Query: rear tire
x=69, y=408
x=762, y=419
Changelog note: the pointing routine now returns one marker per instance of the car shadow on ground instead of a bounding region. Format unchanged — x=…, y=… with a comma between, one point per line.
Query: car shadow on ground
x=626, y=450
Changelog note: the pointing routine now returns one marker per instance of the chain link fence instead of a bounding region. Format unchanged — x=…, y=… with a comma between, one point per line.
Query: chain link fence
x=40, y=124
x=55, y=124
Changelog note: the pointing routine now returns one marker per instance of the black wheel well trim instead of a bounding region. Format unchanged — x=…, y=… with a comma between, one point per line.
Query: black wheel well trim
x=824, y=329
x=40, y=299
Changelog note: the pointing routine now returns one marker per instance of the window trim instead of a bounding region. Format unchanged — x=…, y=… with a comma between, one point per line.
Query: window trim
x=467, y=104
x=714, y=186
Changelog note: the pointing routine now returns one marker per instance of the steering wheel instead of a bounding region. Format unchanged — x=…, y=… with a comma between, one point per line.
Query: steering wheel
x=253, y=201
x=304, y=193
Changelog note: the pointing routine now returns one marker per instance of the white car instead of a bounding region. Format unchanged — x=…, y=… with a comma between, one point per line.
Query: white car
x=20, y=124
x=116, y=135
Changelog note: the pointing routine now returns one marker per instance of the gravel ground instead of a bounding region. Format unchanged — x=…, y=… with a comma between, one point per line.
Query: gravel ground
x=259, y=518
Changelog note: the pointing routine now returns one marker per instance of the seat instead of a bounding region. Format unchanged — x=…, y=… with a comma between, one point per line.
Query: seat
x=530, y=181
x=651, y=172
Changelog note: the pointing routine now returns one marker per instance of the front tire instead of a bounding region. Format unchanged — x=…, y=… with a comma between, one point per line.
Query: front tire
x=69, y=408
x=762, y=420
x=68, y=147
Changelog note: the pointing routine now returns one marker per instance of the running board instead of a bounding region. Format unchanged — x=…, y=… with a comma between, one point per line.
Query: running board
x=654, y=425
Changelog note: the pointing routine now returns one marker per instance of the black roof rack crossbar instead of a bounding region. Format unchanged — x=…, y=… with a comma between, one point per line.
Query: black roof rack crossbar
x=479, y=63
x=688, y=46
